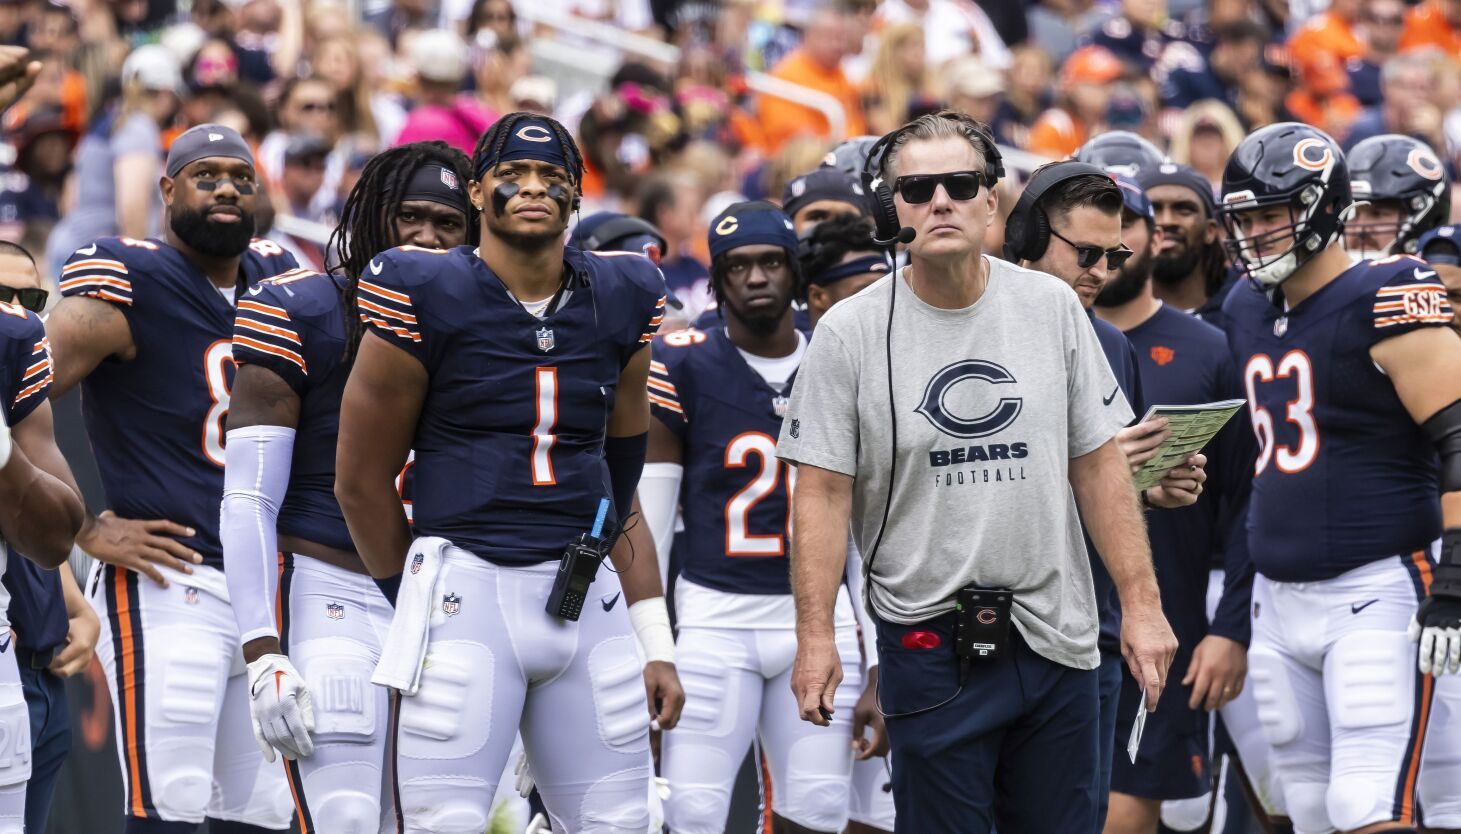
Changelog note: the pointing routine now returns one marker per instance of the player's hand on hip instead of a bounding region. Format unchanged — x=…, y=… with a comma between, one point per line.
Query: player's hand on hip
x=665, y=695
x=1181, y=486
x=1216, y=673
x=282, y=708
x=1148, y=644
x=1437, y=627
x=81, y=635
x=867, y=717
x=139, y=544
x=1140, y=442
x=815, y=676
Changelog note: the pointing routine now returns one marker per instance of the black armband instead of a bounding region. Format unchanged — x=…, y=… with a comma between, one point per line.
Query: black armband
x=625, y=457
x=1444, y=430
x=1447, y=581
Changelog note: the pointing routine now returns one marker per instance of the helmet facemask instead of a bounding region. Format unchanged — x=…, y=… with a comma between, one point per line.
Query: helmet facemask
x=1304, y=206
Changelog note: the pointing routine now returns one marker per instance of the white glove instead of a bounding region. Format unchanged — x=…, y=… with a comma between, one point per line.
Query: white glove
x=524, y=776
x=282, y=709
x=1439, y=637
x=4, y=441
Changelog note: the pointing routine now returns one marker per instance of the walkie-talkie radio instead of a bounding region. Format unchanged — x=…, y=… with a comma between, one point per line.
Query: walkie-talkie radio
x=578, y=568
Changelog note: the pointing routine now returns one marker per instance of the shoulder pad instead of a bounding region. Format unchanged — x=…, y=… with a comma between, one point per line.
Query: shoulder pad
x=103, y=269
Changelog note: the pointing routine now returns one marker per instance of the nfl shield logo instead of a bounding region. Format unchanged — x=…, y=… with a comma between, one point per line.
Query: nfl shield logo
x=778, y=405
x=545, y=339
x=190, y=596
x=449, y=179
x=1281, y=326
x=451, y=604
x=416, y=562
x=335, y=611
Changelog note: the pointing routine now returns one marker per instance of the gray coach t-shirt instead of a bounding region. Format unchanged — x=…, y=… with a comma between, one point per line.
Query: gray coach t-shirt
x=992, y=401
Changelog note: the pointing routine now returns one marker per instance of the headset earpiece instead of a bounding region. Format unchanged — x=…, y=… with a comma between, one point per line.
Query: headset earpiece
x=1027, y=231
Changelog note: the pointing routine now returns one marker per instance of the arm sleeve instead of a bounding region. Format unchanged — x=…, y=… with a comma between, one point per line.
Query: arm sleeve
x=265, y=334
x=256, y=477
x=1095, y=409
x=659, y=498
x=821, y=425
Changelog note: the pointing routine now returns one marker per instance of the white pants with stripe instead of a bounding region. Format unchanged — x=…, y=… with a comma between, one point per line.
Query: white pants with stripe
x=14, y=740
x=332, y=625
x=497, y=664
x=180, y=699
x=738, y=690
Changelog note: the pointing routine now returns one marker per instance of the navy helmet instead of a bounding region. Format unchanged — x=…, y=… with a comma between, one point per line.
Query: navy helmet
x=849, y=156
x=1404, y=170
x=1121, y=152
x=1295, y=167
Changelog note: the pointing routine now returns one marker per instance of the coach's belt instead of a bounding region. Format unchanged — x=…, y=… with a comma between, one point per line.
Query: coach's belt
x=32, y=659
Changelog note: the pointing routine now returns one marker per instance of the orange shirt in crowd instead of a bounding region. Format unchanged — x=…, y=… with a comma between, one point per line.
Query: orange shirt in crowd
x=1426, y=25
x=782, y=120
x=1319, y=50
x=1057, y=134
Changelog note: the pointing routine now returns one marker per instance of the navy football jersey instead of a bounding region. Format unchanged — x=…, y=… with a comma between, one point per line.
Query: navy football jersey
x=25, y=372
x=509, y=446
x=157, y=422
x=294, y=325
x=736, y=494
x=1344, y=476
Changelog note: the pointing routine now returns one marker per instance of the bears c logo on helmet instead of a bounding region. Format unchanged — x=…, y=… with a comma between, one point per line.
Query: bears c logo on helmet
x=1312, y=155
x=1424, y=163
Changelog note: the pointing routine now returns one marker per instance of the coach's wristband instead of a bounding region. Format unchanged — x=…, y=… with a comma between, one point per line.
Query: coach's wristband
x=651, y=621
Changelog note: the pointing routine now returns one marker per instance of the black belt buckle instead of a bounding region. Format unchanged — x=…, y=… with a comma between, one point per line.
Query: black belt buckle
x=983, y=628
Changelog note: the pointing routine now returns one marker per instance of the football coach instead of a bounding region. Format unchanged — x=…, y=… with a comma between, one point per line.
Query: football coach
x=957, y=413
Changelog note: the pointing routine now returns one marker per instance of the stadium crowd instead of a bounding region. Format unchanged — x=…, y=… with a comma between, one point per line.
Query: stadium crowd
x=362, y=135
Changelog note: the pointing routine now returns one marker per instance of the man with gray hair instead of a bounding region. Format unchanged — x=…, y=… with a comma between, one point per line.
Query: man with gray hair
x=957, y=413
x=1407, y=106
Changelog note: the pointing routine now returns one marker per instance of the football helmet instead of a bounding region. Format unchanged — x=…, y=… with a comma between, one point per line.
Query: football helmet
x=849, y=156
x=1291, y=167
x=1121, y=152
x=1403, y=171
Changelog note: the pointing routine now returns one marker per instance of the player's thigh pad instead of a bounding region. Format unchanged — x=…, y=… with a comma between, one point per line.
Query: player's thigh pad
x=342, y=780
x=1370, y=688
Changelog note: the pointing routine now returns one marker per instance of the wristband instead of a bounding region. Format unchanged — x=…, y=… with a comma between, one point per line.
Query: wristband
x=651, y=621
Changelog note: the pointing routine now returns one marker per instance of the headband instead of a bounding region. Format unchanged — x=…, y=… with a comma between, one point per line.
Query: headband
x=532, y=138
x=437, y=184
x=857, y=266
x=747, y=224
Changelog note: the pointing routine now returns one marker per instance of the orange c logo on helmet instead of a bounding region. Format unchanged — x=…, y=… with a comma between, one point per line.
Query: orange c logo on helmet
x=1424, y=162
x=1313, y=154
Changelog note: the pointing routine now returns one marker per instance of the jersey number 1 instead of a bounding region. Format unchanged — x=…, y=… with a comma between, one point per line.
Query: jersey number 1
x=739, y=540
x=217, y=361
x=1300, y=411
x=545, y=396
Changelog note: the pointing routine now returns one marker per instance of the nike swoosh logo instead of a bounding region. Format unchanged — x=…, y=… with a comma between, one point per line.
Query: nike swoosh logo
x=375, y=268
x=1427, y=273
x=90, y=250
x=255, y=290
x=1112, y=398
x=610, y=604
x=5, y=647
x=1357, y=608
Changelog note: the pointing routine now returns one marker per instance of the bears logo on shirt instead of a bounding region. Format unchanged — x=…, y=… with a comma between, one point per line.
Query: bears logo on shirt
x=937, y=411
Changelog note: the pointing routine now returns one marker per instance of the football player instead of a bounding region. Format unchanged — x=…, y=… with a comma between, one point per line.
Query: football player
x=718, y=398
x=1182, y=361
x=293, y=339
x=40, y=508
x=1353, y=380
x=518, y=370
x=820, y=195
x=145, y=328
x=1401, y=191
x=839, y=260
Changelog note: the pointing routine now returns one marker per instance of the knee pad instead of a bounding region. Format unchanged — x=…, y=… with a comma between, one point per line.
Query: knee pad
x=618, y=693
x=345, y=701
x=446, y=818
x=698, y=809
x=1307, y=808
x=616, y=804
x=1186, y=814
x=450, y=716
x=1278, y=711
x=1356, y=801
x=817, y=783
x=1371, y=680
x=182, y=791
x=344, y=798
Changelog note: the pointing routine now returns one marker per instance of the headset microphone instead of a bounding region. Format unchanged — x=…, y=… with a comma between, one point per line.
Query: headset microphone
x=905, y=236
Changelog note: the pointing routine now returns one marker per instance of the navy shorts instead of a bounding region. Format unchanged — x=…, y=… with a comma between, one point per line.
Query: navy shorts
x=1014, y=749
x=1172, y=761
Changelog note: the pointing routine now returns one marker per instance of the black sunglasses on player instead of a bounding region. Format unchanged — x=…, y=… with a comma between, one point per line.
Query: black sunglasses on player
x=31, y=298
x=919, y=188
x=1086, y=256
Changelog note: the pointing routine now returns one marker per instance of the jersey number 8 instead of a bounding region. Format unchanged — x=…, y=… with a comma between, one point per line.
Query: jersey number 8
x=218, y=366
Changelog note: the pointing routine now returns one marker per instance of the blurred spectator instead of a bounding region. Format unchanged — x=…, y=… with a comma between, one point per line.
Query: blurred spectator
x=1379, y=30
x=1026, y=95
x=400, y=16
x=1433, y=23
x=1205, y=137
x=495, y=16
x=899, y=77
x=1238, y=48
x=671, y=201
x=1080, y=103
x=952, y=27
x=816, y=64
x=304, y=174
x=307, y=106
x=1057, y=26
x=1135, y=35
x=496, y=67
x=1407, y=83
x=12, y=23
x=1262, y=92
x=442, y=112
x=269, y=39
x=30, y=192
x=363, y=111
x=119, y=161
x=970, y=86
x=534, y=94
x=1323, y=44
x=794, y=159
x=625, y=133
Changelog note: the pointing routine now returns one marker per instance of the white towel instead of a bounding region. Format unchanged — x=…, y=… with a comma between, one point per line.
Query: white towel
x=404, y=655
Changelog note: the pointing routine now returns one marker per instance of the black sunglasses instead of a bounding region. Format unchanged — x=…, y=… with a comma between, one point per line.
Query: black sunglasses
x=31, y=298
x=1086, y=256
x=919, y=188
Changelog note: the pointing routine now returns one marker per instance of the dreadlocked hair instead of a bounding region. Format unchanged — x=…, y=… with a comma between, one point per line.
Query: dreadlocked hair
x=832, y=240
x=490, y=145
x=367, y=219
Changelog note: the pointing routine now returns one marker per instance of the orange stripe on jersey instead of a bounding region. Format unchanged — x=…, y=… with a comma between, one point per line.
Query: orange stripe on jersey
x=110, y=296
x=42, y=365
x=26, y=392
x=367, y=304
x=95, y=263
x=100, y=280
x=253, y=344
x=377, y=289
x=385, y=325
x=664, y=403
x=263, y=309
x=664, y=386
x=126, y=686
x=286, y=335
x=658, y=367
x=1442, y=318
x=42, y=346
x=1402, y=289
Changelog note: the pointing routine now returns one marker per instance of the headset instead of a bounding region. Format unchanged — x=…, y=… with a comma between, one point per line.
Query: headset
x=885, y=212
x=1027, y=230
x=620, y=227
